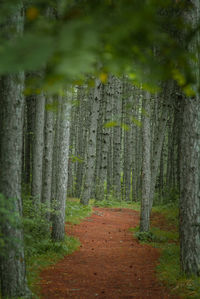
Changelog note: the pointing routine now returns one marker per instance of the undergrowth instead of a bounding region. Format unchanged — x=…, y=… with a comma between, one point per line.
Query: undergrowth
x=40, y=250
x=54, y=252
x=75, y=212
x=117, y=204
x=168, y=269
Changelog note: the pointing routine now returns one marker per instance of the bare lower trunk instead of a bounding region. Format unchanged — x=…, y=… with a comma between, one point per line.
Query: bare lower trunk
x=38, y=146
x=61, y=171
x=146, y=165
x=117, y=140
x=91, y=150
x=48, y=152
x=105, y=138
x=190, y=188
x=190, y=166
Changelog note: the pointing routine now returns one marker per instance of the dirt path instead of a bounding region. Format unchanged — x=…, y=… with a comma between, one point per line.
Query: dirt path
x=110, y=263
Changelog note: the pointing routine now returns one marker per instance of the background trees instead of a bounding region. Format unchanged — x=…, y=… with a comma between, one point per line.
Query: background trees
x=120, y=145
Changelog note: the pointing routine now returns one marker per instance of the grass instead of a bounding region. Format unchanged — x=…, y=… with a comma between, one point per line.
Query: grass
x=117, y=204
x=170, y=212
x=168, y=269
x=75, y=212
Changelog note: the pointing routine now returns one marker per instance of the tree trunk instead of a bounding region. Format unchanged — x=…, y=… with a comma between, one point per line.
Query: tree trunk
x=105, y=138
x=159, y=137
x=190, y=167
x=127, y=141
x=12, y=263
x=48, y=154
x=117, y=140
x=30, y=116
x=38, y=147
x=91, y=150
x=61, y=171
x=190, y=188
x=146, y=165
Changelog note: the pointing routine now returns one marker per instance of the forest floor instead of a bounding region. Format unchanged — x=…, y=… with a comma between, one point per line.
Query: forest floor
x=110, y=263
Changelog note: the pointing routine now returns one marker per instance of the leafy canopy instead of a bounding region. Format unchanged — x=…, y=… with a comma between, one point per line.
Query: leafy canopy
x=70, y=39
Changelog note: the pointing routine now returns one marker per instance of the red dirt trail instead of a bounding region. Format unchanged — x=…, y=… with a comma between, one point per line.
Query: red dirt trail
x=110, y=263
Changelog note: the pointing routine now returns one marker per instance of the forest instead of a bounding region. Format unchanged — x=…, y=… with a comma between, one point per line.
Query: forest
x=99, y=117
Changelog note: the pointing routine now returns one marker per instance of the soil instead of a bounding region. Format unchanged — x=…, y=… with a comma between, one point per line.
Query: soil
x=110, y=263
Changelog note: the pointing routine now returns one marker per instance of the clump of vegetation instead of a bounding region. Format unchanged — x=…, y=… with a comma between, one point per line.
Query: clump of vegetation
x=75, y=212
x=7, y=216
x=36, y=227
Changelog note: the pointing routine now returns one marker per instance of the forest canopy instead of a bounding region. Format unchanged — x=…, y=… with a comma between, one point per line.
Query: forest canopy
x=146, y=41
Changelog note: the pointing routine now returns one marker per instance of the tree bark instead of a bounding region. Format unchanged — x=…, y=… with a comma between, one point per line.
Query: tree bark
x=12, y=264
x=190, y=166
x=91, y=150
x=117, y=140
x=105, y=138
x=38, y=147
x=146, y=165
x=61, y=170
x=48, y=155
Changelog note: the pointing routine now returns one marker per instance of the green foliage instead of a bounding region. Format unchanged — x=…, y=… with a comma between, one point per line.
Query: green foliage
x=8, y=218
x=75, y=212
x=74, y=159
x=155, y=235
x=36, y=227
x=170, y=212
x=110, y=124
x=171, y=196
x=145, y=236
x=136, y=122
x=169, y=264
x=77, y=38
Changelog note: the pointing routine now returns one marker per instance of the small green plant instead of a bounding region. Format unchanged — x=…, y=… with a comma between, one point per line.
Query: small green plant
x=145, y=236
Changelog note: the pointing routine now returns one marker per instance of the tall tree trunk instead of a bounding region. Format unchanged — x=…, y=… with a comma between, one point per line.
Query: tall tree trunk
x=127, y=141
x=159, y=136
x=190, y=188
x=12, y=263
x=91, y=150
x=107, y=101
x=81, y=120
x=48, y=154
x=117, y=140
x=61, y=170
x=38, y=147
x=146, y=165
x=190, y=166
x=30, y=116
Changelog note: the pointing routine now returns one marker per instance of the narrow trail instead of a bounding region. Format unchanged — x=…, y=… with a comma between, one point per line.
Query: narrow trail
x=110, y=263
